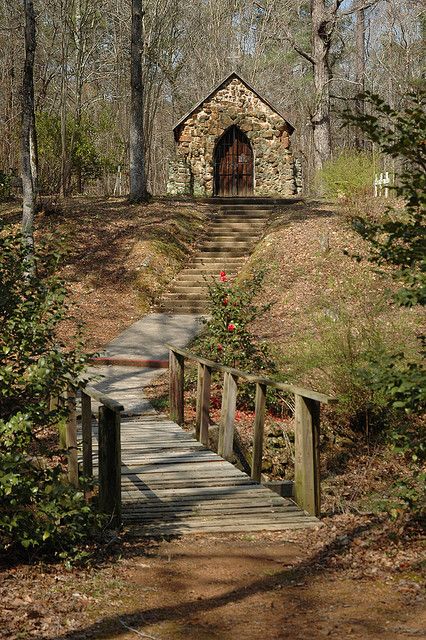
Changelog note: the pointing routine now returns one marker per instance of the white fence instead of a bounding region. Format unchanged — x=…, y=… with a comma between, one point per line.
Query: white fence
x=381, y=184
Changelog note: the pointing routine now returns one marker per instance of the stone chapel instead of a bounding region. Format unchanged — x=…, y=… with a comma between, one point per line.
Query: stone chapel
x=232, y=143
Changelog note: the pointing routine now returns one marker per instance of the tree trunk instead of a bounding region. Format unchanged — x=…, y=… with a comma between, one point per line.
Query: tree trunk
x=138, y=191
x=360, y=73
x=322, y=29
x=64, y=58
x=28, y=135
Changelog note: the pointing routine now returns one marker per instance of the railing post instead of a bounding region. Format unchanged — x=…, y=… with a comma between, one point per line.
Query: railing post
x=110, y=463
x=306, y=445
x=203, y=403
x=86, y=428
x=227, y=417
x=71, y=438
x=177, y=369
x=259, y=423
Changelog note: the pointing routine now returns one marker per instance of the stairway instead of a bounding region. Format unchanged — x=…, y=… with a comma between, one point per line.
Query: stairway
x=230, y=238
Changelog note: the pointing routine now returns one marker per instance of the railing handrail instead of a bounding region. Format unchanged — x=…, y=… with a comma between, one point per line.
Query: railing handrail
x=103, y=399
x=281, y=386
x=307, y=404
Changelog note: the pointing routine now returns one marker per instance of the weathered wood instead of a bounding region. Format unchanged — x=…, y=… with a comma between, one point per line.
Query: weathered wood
x=86, y=428
x=55, y=402
x=177, y=370
x=203, y=403
x=244, y=375
x=227, y=417
x=306, y=445
x=259, y=424
x=71, y=438
x=109, y=463
x=103, y=399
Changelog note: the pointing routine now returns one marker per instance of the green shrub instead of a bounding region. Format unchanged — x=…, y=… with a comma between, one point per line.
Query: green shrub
x=348, y=175
x=4, y=186
x=228, y=338
x=39, y=510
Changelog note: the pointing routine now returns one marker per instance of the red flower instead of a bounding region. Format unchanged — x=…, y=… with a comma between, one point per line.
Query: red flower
x=223, y=277
x=219, y=347
x=231, y=327
x=225, y=302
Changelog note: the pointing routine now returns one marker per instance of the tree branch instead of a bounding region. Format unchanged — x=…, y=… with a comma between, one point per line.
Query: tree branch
x=296, y=47
x=360, y=7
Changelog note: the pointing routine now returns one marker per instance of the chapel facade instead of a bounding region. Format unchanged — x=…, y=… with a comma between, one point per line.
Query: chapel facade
x=232, y=143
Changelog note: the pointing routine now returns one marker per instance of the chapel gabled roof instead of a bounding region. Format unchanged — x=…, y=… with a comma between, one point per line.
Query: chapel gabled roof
x=231, y=76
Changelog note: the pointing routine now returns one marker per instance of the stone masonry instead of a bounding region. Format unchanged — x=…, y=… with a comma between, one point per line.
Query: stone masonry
x=233, y=102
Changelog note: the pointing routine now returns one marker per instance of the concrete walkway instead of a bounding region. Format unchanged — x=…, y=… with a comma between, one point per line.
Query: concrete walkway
x=145, y=339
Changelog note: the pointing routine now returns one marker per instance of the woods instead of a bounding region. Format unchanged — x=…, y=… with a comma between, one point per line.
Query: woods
x=310, y=58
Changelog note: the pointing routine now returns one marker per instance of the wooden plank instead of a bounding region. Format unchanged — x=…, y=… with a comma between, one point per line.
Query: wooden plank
x=227, y=417
x=203, y=403
x=259, y=423
x=209, y=505
x=306, y=449
x=221, y=518
x=176, y=387
x=109, y=463
x=71, y=438
x=154, y=531
x=103, y=399
x=244, y=375
x=86, y=432
x=227, y=523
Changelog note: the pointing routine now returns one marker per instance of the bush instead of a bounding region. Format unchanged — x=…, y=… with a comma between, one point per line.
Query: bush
x=39, y=510
x=398, y=240
x=350, y=174
x=228, y=338
x=4, y=186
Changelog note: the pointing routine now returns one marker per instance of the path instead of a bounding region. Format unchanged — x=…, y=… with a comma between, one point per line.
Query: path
x=171, y=484
x=144, y=340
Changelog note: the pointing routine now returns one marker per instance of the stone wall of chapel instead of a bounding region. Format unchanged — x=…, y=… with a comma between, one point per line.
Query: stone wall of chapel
x=191, y=172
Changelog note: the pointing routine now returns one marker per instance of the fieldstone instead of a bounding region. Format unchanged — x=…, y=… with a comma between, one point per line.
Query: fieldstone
x=233, y=104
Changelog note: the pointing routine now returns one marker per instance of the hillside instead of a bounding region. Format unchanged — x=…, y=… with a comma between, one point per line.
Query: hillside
x=118, y=257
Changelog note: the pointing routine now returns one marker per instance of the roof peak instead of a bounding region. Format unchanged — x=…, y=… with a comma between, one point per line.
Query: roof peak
x=233, y=74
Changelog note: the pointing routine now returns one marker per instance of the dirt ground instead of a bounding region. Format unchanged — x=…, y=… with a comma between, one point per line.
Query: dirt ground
x=335, y=581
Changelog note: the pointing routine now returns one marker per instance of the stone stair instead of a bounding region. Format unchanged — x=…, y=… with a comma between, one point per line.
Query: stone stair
x=230, y=238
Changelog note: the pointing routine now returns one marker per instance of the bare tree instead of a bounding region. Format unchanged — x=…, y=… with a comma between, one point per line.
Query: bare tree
x=138, y=190
x=359, y=70
x=324, y=19
x=28, y=133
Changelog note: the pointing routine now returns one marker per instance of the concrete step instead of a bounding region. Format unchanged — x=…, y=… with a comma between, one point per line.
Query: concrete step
x=235, y=237
x=187, y=297
x=230, y=253
x=200, y=289
x=220, y=245
x=233, y=219
x=173, y=307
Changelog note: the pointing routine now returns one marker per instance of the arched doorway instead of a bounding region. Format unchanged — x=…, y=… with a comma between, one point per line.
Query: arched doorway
x=233, y=164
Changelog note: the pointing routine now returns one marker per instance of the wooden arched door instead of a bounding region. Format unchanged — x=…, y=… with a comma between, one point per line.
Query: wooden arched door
x=233, y=164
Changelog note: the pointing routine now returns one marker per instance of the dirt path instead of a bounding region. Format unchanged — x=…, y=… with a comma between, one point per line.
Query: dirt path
x=333, y=582
x=257, y=589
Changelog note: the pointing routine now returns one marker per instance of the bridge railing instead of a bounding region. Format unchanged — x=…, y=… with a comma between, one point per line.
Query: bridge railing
x=109, y=446
x=306, y=419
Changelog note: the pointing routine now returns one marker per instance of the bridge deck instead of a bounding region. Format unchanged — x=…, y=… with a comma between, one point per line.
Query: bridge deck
x=172, y=484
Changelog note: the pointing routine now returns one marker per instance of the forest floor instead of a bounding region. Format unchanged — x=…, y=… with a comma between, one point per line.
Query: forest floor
x=337, y=581
x=360, y=575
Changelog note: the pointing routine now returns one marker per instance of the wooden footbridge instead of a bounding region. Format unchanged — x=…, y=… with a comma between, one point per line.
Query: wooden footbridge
x=154, y=474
